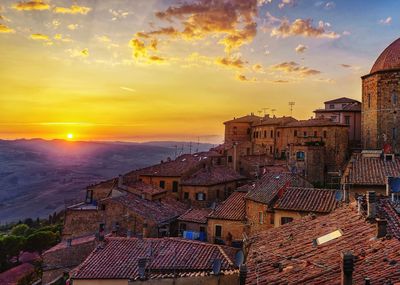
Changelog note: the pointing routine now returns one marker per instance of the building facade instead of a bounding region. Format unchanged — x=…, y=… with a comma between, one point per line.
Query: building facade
x=380, y=96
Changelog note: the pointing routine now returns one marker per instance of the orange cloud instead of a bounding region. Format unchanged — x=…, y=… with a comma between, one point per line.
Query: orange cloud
x=39, y=37
x=293, y=67
x=31, y=5
x=302, y=27
x=6, y=30
x=231, y=62
x=74, y=9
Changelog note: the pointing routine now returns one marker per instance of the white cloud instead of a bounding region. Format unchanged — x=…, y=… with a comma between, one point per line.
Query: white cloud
x=301, y=48
x=386, y=21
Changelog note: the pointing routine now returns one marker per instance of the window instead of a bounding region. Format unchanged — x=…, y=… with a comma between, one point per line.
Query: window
x=394, y=133
x=285, y=220
x=230, y=158
x=89, y=196
x=271, y=218
x=260, y=218
x=347, y=120
x=218, y=231
x=295, y=133
x=248, y=151
x=235, y=130
x=202, y=229
x=186, y=195
x=300, y=155
x=162, y=184
x=248, y=131
x=277, y=134
x=331, y=106
x=265, y=134
x=175, y=185
x=272, y=133
x=217, y=193
x=182, y=227
x=200, y=196
x=394, y=98
x=305, y=134
x=315, y=134
x=325, y=134
x=270, y=149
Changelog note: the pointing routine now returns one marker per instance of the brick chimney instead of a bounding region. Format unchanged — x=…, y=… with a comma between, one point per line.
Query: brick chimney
x=347, y=268
x=371, y=204
x=145, y=230
x=381, y=228
x=242, y=274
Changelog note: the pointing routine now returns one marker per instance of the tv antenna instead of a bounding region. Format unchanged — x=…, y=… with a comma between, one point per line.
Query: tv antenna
x=291, y=104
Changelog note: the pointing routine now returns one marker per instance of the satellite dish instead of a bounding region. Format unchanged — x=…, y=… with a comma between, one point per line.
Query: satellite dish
x=217, y=266
x=239, y=258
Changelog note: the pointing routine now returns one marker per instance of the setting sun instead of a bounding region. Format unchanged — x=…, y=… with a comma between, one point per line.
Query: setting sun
x=70, y=136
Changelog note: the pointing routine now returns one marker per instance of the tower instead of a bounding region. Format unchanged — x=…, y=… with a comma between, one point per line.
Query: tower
x=380, y=114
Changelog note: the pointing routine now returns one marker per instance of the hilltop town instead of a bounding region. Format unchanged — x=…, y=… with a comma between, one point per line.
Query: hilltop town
x=281, y=201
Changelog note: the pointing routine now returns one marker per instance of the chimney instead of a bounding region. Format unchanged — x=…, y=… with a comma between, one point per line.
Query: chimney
x=359, y=204
x=120, y=181
x=69, y=242
x=371, y=207
x=242, y=274
x=142, y=268
x=145, y=230
x=381, y=228
x=347, y=268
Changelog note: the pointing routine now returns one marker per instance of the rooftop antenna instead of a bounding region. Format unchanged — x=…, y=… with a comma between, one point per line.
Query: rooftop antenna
x=291, y=104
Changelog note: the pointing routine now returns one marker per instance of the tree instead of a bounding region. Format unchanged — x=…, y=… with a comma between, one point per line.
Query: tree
x=41, y=240
x=19, y=230
x=29, y=222
x=13, y=245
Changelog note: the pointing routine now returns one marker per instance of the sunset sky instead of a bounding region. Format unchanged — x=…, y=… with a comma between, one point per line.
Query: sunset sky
x=140, y=70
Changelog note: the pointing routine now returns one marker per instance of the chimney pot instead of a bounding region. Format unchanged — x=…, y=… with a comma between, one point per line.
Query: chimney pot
x=242, y=274
x=347, y=268
x=371, y=207
x=381, y=228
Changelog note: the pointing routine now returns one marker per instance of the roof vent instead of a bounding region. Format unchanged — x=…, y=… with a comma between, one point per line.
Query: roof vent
x=217, y=266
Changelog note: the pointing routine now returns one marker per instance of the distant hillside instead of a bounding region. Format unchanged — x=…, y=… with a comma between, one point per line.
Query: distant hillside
x=37, y=176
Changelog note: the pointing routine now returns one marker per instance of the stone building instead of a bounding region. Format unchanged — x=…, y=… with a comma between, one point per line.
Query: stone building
x=380, y=97
x=194, y=221
x=209, y=185
x=239, y=129
x=344, y=111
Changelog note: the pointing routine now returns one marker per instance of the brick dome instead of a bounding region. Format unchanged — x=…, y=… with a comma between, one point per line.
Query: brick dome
x=389, y=58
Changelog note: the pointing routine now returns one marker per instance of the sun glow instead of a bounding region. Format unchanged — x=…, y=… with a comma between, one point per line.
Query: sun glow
x=70, y=136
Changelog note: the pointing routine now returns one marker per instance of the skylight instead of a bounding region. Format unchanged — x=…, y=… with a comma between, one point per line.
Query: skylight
x=328, y=237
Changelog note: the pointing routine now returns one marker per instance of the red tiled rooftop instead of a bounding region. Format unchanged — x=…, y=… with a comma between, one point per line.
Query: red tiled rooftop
x=390, y=211
x=196, y=215
x=141, y=187
x=371, y=170
x=245, y=119
x=212, y=176
x=156, y=211
x=307, y=200
x=233, y=208
x=286, y=255
x=267, y=188
x=13, y=275
x=388, y=59
x=166, y=256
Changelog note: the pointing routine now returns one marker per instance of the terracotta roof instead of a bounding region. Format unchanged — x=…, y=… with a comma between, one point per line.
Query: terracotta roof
x=212, y=175
x=390, y=211
x=356, y=106
x=141, y=187
x=286, y=255
x=245, y=119
x=318, y=122
x=371, y=170
x=196, y=215
x=267, y=188
x=274, y=121
x=389, y=58
x=233, y=208
x=174, y=168
x=156, y=211
x=341, y=100
x=307, y=200
x=13, y=275
x=165, y=257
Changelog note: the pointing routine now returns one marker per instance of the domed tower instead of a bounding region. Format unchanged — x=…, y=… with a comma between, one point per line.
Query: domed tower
x=380, y=114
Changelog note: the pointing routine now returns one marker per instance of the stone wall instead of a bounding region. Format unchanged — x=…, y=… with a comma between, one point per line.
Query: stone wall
x=253, y=210
x=234, y=228
x=237, y=132
x=81, y=222
x=214, y=193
